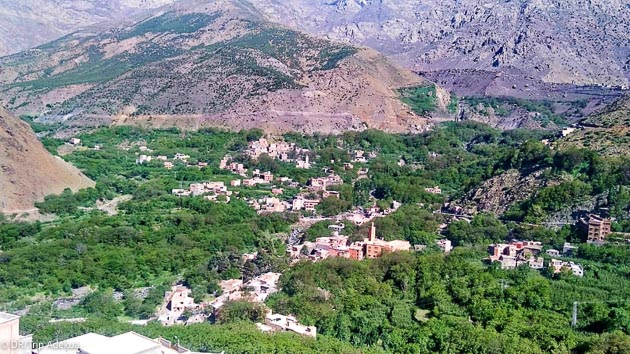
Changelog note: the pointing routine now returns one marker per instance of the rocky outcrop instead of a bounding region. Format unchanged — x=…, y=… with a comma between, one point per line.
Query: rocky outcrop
x=498, y=193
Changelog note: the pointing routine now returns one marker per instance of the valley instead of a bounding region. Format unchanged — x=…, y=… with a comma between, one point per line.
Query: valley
x=354, y=176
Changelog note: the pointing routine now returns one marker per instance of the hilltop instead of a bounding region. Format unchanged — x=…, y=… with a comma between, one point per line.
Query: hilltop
x=29, y=172
x=208, y=63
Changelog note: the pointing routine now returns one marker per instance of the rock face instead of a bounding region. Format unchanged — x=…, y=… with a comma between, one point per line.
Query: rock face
x=497, y=194
x=208, y=63
x=28, y=171
x=559, y=41
x=27, y=24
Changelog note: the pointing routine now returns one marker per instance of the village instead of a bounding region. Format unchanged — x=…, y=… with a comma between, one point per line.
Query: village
x=529, y=253
x=179, y=306
x=280, y=194
x=307, y=197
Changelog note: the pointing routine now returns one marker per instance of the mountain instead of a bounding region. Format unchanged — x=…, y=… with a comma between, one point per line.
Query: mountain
x=554, y=41
x=27, y=24
x=208, y=63
x=607, y=131
x=29, y=171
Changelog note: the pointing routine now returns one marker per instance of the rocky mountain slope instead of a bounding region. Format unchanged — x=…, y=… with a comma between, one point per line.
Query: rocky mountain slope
x=28, y=171
x=208, y=63
x=555, y=41
x=497, y=194
x=607, y=131
x=27, y=24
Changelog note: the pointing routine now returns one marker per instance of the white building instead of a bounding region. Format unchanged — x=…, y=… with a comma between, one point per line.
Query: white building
x=575, y=268
x=304, y=164
x=143, y=158
x=126, y=343
x=277, y=322
x=445, y=245
x=11, y=342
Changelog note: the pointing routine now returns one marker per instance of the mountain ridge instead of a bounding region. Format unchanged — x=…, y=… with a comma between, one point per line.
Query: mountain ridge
x=558, y=41
x=218, y=60
x=28, y=24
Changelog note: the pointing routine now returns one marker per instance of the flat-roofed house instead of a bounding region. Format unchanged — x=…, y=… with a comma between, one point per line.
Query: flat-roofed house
x=126, y=343
x=11, y=342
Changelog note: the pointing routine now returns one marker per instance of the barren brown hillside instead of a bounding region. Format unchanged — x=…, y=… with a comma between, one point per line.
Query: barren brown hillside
x=27, y=171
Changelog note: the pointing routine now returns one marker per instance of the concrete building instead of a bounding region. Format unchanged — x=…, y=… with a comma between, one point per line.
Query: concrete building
x=516, y=253
x=277, y=322
x=223, y=164
x=434, y=190
x=558, y=265
x=372, y=247
x=303, y=164
x=333, y=194
x=143, y=158
x=553, y=253
x=445, y=245
x=11, y=342
x=176, y=301
x=536, y=262
x=569, y=249
x=598, y=229
x=181, y=157
x=272, y=205
x=126, y=343
x=181, y=192
x=321, y=183
x=300, y=203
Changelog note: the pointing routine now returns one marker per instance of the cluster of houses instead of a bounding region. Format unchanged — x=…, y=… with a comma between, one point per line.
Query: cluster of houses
x=360, y=156
x=211, y=190
x=226, y=163
x=258, y=178
x=178, y=301
x=303, y=201
x=168, y=163
x=360, y=216
x=337, y=246
x=255, y=290
x=321, y=183
x=517, y=253
x=280, y=150
x=276, y=205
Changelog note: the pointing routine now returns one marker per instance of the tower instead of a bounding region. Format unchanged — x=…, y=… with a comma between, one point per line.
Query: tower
x=372, y=233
